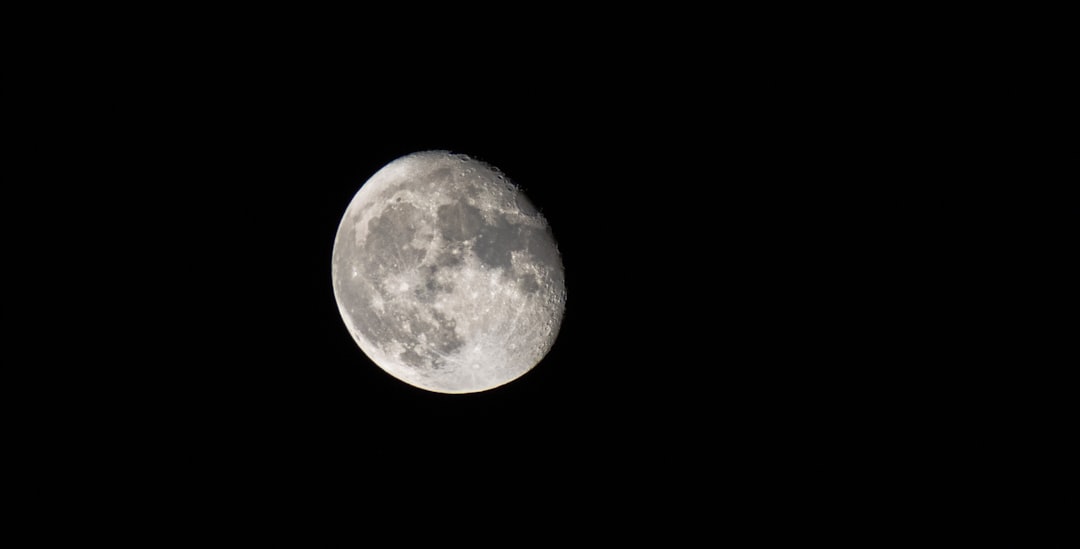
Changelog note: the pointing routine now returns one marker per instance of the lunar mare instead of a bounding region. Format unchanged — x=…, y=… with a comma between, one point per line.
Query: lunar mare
x=446, y=275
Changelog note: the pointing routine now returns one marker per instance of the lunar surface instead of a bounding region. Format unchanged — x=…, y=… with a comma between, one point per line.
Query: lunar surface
x=446, y=275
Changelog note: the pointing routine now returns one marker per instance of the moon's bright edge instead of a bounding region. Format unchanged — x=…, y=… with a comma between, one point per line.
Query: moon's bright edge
x=446, y=275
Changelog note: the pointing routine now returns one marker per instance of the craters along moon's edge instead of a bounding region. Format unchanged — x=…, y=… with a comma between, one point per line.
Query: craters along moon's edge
x=446, y=276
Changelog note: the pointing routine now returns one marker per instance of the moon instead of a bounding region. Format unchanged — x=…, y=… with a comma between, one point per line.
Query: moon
x=446, y=275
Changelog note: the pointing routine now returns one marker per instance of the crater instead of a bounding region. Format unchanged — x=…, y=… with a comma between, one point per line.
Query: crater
x=524, y=205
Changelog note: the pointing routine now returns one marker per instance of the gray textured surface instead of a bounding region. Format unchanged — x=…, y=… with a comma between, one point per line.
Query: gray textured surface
x=447, y=277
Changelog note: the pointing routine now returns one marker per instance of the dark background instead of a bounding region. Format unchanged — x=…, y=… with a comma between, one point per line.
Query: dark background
x=762, y=266
x=699, y=326
x=214, y=348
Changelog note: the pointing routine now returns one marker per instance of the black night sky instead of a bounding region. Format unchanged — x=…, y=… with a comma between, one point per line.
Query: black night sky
x=694, y=271
x=223, y=331
x=734, y=234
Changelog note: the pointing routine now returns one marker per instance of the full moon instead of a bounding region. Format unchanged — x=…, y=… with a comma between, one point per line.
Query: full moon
x=446, y=275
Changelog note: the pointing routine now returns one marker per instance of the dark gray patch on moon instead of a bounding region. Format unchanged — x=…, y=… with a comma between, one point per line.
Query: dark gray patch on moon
x=439, y=338
x=432, y=287
x=528, y=283
x=424, y=342
x=379, y=333
x=496, y=241
x=459, y=221
x=439, y=176
x=448, y=257
x=539, y=244
x=390, y=235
